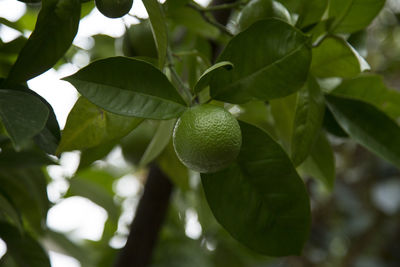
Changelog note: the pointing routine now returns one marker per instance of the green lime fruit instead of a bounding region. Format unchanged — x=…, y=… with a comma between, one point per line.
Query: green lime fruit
x=207, y=138
x=114, y=8
x=138, y=40
x=135, y=143
x=262, y=9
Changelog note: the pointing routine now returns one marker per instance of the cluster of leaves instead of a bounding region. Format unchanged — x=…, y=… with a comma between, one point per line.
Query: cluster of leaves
x=292, y=81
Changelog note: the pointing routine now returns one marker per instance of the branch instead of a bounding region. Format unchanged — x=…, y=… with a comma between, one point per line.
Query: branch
x=148, y=220
x=182, y=88
x=221, y=6
x=209, y=18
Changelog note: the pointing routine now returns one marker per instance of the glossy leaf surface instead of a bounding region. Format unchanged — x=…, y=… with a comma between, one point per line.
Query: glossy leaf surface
x=260, y=200
x=88, y=126
x=128, y=87
x=368, y=126
x=334, y=57
x=308, y=120
x=55, y=29
x=271, y=60
x=22, y=114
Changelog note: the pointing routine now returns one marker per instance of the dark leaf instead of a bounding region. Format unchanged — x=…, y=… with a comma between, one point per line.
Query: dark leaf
x=55, y=29
x=271, y=60
x=22, y=114
x=307, y=121
x=128, y=87
x=88, y=126
x=260, y=200
x=368, y=126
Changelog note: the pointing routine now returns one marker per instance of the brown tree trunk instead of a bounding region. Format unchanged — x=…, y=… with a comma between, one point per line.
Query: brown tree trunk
x=146, y=225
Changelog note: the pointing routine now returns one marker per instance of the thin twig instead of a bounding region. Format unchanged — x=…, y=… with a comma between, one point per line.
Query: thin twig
x=209, y=18
x=182, y=88
x=221, y=7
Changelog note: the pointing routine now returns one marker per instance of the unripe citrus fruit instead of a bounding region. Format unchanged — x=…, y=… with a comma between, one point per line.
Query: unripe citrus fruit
x=114, y=8
x=207, y=138
x=262, y=9
x=138, y=41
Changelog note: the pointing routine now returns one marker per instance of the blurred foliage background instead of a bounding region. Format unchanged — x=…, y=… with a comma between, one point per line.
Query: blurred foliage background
x=357, y=224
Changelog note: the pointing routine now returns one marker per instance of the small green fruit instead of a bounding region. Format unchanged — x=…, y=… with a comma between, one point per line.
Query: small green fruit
x=207, y=138
x=138, y=40
x=114, y=8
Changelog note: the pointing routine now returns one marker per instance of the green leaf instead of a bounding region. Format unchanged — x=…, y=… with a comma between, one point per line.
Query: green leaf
x=368, y=126
x=335, y=57
x=24, y=159
x=128, y=87
x=173, y=167
x=49, y=137
x=262, y=9
x=192, y=20
x=26, y=187
x=205, y=78
x=307, y=121
x=159, y=142
x=60, y=243
x=90, y=155
x=8, y=210
x=353, y=15
x=55, y=29
x=321, y=162
x=258, y=114
x=310, y=11
x=271, y=60
x=260, y=200
x=372, y=89
x=158, y=27
x=96, y=185
x=331, y=125
x=88, y=126
x=283, y=112
x=24, y=250
x=22, y=114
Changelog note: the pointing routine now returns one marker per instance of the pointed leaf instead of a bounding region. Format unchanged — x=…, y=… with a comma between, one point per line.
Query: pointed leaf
x=95, y=185
x=158, y=27
x=205, y=78
x=335, y=57
x=88, y=126
x=307, y=121
x=368, y=126
x=271, y=60
x=260, y=200
x=49, y=137
x=90, y=155
x=22, y=114
x=9, y=211
x=128, y=87
x=26, y=187
x=309, y=11
x=159, y=142
x=55, y=29
x=321, y=162
x=173, y=167
x=372, y=89
x=353, y=15
x=283, y=111
x=24, y=250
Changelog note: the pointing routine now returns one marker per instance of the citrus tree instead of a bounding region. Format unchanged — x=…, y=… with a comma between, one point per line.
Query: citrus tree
x=248, y=94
